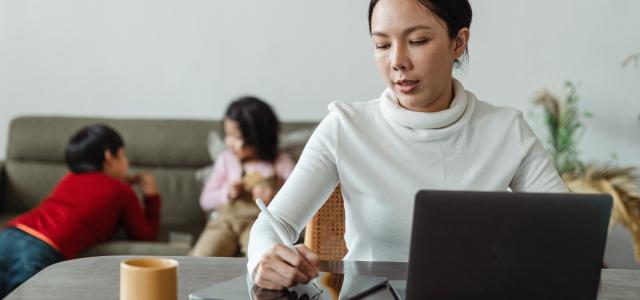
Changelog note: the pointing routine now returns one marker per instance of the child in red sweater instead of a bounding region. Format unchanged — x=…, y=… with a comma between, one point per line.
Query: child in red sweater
x=85, y=208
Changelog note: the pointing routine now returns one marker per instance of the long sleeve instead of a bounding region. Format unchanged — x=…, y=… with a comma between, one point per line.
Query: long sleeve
x=536, y=172
x=310, y=184
x=216, y=190
x=141, y=223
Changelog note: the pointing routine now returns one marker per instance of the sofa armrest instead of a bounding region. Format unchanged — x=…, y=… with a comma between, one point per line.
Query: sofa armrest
x=3, y=178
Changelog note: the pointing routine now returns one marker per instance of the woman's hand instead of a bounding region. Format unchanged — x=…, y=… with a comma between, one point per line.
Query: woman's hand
x=281, y=267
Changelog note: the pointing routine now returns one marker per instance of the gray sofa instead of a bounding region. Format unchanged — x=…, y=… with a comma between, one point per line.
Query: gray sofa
x=173, y=150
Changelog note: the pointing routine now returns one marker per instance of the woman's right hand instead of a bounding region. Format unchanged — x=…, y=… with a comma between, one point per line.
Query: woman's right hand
x=281, y=267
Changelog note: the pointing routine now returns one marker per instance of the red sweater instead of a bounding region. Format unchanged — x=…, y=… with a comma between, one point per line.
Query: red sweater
x=86, y=209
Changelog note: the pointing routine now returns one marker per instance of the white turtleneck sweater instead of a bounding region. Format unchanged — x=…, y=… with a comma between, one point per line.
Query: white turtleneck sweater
x=382, y=154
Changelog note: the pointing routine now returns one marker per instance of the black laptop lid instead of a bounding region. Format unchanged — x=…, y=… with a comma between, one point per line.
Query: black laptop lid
x=501, y=245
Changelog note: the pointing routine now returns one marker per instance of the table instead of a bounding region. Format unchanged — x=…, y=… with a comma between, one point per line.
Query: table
x=98, y=277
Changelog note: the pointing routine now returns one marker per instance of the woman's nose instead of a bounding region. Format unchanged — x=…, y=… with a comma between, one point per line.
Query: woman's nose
x=400, y=59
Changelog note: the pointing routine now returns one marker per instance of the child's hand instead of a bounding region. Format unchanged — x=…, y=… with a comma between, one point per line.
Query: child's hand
x=235, y=190
x=131, y=179
x=147, y=183
x=264, y=192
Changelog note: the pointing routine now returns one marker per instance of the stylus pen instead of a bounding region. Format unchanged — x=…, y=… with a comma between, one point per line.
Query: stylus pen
x=276, y=226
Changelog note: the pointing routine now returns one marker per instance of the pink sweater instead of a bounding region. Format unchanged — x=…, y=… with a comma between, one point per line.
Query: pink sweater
x=228, y=169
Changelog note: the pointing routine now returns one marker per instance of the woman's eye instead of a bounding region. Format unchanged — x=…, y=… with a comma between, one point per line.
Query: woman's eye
x=418, y=42
x=382, y=46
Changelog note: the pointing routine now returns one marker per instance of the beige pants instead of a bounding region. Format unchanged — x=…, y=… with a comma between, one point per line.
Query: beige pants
x=228, y=231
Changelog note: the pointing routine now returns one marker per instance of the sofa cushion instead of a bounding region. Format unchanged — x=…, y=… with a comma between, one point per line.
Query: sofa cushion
x=149, y=142
x=28, y=182
x=156, y=142
x=180, y=193
x=3, y=179
x=4, y=218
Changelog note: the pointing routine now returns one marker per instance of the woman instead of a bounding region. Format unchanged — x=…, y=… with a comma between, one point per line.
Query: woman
x=424, y=132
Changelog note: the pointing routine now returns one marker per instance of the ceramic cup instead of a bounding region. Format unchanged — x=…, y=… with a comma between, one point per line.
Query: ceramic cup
x=149, y=279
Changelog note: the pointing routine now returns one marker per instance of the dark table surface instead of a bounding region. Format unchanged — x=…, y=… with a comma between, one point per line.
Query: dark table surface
x=98, y=277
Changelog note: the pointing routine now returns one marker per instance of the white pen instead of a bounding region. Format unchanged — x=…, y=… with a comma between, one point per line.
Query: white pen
x=276, y=226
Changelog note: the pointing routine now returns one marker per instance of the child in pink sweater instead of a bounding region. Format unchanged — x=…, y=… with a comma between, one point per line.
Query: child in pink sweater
x=251, y=167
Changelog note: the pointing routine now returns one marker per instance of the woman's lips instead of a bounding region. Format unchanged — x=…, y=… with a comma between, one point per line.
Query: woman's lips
x=406, y=86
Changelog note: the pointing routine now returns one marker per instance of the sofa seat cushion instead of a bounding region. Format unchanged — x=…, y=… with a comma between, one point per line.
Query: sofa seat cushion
x=4, y=218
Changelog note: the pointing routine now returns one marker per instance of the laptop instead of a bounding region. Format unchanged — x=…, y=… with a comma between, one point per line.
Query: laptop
x=501, y=245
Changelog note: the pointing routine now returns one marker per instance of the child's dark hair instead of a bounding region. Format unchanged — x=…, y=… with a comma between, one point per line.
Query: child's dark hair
x=259, y=125
x=85, y=152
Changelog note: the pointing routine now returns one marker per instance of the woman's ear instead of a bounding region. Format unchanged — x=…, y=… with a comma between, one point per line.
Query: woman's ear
x=461, y=42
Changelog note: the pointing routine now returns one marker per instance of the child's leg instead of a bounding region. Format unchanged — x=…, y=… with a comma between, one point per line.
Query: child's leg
x=23, y=256
x=217, y=239
x=244, y=238
x=245, y=213
x=6, y=255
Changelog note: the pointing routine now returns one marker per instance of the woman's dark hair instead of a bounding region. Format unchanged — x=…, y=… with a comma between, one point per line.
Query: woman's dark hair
x=259, y=125
x=85, y=152
x=455, y=13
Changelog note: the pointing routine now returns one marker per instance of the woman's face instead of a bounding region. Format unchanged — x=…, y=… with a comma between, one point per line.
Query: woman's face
x=415, y=54
x=234, y=140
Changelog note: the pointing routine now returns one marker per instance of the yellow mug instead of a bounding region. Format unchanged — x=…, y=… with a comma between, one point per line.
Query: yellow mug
x=149, y=279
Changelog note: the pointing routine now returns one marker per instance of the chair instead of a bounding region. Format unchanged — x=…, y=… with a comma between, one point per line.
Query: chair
x=324, y=234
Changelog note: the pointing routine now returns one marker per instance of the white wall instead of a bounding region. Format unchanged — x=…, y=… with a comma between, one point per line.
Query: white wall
x=188, y=58
x=520, y=46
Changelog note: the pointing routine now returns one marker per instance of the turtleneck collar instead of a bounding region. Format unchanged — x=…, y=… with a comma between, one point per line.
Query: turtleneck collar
x=425, y=120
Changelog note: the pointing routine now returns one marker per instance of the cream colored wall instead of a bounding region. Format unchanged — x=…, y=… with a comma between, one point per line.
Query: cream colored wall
x=187, y=59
